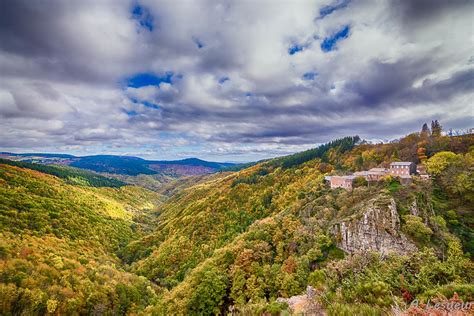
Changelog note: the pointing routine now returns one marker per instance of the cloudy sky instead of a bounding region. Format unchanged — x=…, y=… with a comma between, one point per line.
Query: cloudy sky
x=229, y=80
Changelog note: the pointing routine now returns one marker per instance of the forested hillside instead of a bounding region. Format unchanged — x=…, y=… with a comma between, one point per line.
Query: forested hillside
x=240, y=240
x=234, y=242
x=127, y=167
x=59, y=243
x=71, y=175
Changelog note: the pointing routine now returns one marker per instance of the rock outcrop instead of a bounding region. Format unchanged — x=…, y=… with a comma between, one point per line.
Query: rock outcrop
x=414, y=209
x=376, y=228
x=304, y=304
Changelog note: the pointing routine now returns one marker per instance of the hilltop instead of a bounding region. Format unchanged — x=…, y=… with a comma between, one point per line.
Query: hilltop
x=236, y=241
x=151, y=174
x=123, y=165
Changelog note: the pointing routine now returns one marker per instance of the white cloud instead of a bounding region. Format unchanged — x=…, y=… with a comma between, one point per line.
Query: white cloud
x=66, y=68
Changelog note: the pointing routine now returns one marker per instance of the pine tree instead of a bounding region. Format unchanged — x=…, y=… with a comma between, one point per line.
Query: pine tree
x=425, y=131
x=435, y=128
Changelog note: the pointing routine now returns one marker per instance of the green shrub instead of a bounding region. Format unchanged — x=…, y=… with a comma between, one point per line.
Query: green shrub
x=415, y=227
x=341, y=309
x=316, y=278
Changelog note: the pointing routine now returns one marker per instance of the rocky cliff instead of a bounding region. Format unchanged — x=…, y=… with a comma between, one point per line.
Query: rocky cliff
x=304, y=304
x=375, y=228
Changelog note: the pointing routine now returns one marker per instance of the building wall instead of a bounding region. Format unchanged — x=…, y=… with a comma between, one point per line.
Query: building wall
x=405, y=180
x=339, y=182
x=375, y=176
x=399, y=170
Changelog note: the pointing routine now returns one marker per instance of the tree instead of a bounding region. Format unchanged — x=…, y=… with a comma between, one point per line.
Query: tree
x=415, y=227
x=462, y=184
x=425, y=131
x=208, y=296
x=439, y=162
x=421, y=152
x=436, y=128
x=457, y=178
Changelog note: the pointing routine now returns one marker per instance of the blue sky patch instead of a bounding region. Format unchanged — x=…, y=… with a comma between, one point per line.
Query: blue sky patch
x=295, y=48
x=325, y=11
x=143, y=16
x=198, y=42
x=150, y=105
x=223, y=79
x=309, y=75
x=149, y=79
x=130, y=113
x=329, y=43
x=145, y=103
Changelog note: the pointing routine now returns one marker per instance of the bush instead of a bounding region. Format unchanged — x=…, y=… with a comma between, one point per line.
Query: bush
x=415, y=227
x=340, y=309
x=360, y=182
x=439, y=162
x=274, y=308
x=316, y=278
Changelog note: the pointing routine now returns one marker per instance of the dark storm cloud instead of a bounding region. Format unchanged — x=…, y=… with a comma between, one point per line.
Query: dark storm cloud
x=461, y=82
x=66, y=40
x=382, y=83
x=419, y=11
x=392, y=85
x=26, y=28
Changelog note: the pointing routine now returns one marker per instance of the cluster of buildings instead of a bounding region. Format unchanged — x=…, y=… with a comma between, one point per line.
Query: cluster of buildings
x=402, y=169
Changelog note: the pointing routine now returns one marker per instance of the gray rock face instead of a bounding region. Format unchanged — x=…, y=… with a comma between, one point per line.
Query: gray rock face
x=414, y=209
x=376, y=229
x=304, y=304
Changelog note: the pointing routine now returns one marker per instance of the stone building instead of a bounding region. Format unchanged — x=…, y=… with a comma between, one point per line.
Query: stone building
x=344, y=182
x=404, y=168
x=374, y=174
x=421, y=172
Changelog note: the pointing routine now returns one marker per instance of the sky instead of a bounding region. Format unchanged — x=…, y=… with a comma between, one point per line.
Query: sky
x=229, y=80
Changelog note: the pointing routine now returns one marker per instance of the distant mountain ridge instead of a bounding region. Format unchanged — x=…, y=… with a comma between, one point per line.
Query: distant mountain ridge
x=51, y=155
x=196, y=162
x=124, y=165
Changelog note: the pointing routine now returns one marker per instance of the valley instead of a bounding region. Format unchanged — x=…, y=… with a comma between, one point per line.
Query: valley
x=236, y=158
x=239, y=241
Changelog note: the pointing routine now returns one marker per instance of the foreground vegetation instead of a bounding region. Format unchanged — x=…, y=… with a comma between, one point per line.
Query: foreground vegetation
x=236, y=241
x=58, y=245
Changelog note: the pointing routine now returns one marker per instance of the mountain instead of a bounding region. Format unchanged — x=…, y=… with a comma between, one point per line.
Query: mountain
x=196, y=162
x=113, y=164
x=246, y=242
x=124, y=165
x=70, y=174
